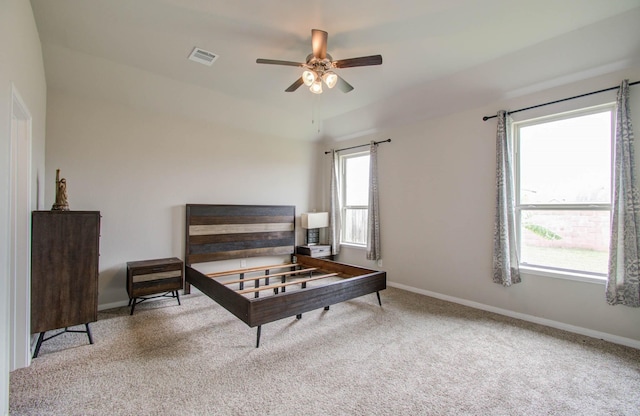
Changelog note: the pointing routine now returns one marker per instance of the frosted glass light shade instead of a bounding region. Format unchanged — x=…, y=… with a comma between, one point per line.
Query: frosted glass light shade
x=316, y=87
x=315, y=220
x=308, y=77
x=330, y=79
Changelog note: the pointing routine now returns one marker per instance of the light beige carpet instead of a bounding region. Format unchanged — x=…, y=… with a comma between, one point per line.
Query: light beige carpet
x=415, y=355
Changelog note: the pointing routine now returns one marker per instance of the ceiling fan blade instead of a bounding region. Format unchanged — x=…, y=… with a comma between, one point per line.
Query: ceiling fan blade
x=362, y=61
x=295, y=85
x=276, y=62
x=343, y=85
x=319, y=43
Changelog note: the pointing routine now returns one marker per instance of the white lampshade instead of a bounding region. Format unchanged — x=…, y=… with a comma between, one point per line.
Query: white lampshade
x=316, y=87
x=308, y=77
x=330, y=79
x=315, y=220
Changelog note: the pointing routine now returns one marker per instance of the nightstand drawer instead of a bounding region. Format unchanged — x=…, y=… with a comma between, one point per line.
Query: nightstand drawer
x=319, y=251
x=137, y=278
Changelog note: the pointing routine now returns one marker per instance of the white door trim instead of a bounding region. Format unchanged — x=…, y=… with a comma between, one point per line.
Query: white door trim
x=20, y=237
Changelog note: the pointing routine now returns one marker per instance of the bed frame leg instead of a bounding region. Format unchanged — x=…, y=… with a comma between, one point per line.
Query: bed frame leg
x=258, y=336
x=299, y=316
x=379, y=301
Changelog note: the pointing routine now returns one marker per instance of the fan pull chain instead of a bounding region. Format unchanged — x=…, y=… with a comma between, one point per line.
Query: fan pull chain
x=314, y=112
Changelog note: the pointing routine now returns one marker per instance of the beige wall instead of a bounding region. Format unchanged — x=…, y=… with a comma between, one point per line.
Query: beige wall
x=139, y=169
x=439, y=174
x=20, y=65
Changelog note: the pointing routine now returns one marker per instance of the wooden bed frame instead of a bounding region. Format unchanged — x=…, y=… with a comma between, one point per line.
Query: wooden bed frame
x=221, y=232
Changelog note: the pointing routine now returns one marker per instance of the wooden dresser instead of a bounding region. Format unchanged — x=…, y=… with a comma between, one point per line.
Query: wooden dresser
x=64, y=270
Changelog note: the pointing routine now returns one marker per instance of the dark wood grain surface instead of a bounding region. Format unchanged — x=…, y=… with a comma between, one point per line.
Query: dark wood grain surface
x=220, y=232
x=160, y=275
x=64, y=269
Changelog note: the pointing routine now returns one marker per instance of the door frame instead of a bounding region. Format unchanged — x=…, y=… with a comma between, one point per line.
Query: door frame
x=20, y=232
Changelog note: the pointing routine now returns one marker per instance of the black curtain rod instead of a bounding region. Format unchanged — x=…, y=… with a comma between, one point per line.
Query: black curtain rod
x=360, y=145
x=485, y=118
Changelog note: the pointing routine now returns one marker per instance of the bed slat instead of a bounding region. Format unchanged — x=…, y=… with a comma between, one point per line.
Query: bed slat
x=269, y=276
x=279, y=285
x=251, y=269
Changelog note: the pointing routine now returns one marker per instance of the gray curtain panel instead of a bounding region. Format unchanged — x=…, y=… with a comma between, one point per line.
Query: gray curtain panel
x=506, y=269
x=335, y=222
x=622, y=282
x=373, y=232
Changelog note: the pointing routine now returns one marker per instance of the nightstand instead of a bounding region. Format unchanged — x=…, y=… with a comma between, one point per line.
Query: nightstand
x=148, y=277
x=317, y=250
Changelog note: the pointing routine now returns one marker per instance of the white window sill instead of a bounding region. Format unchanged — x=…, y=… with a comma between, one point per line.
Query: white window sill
x=356, y=246
x=576, y=276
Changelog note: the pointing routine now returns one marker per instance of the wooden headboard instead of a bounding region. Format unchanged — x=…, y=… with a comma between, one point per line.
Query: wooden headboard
x=222, y=232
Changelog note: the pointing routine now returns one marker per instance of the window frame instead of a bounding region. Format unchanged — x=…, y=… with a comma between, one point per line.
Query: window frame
x=343, y=197
x=548, y=271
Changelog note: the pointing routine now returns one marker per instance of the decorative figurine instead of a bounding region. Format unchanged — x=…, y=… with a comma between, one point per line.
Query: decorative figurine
x=61, y=203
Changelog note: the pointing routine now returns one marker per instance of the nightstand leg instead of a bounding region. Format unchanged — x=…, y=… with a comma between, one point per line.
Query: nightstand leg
x=177, y=296
x=133, y=305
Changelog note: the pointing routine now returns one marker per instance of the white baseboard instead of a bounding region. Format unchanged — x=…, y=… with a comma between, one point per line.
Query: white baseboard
x=113, y=305
x=121, y=303
x=529, y=318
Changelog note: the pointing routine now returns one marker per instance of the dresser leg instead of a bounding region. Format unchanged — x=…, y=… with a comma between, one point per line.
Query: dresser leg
x=89, y=333
x=39, y=344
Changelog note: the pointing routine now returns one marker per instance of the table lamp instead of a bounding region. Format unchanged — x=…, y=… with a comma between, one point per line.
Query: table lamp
x=313, y=221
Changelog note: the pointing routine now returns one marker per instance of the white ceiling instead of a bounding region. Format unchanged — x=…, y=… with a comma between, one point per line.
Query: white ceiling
x=438, y=55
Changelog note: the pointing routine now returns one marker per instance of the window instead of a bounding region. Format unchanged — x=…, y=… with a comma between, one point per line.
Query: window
x=354, y=169
x=563, y=190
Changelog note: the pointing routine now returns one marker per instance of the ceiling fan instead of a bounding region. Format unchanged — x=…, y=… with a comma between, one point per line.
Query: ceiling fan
x=319, y=66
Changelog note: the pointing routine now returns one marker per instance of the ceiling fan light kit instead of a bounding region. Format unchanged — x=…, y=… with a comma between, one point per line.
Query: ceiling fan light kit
x=319, y=66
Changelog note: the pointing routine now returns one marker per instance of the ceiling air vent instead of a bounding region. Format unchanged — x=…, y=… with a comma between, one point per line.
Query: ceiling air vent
x=203, y=57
